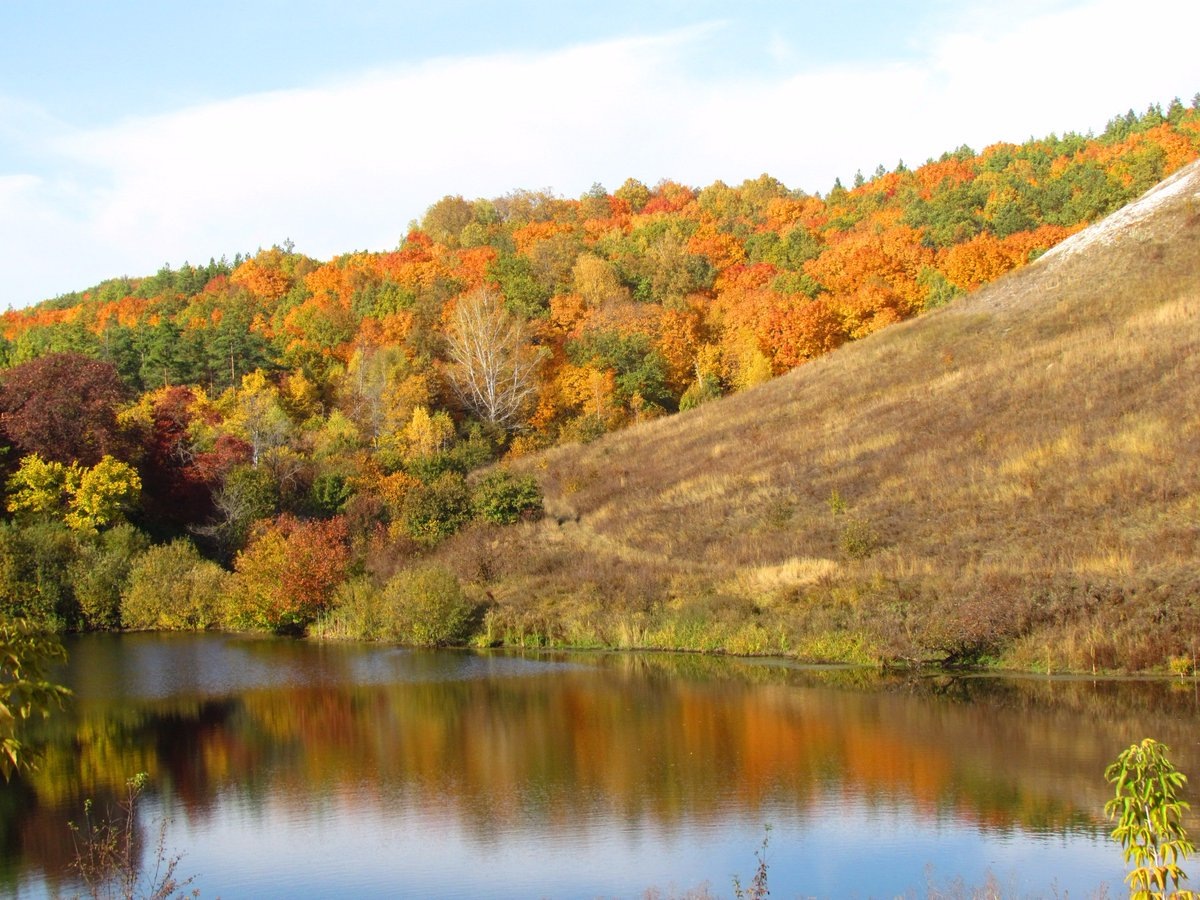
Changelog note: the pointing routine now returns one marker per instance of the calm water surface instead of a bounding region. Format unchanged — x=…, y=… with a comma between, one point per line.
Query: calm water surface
x=292, y=769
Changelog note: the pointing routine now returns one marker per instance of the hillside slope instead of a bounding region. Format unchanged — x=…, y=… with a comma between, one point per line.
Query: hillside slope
x=1013, y=478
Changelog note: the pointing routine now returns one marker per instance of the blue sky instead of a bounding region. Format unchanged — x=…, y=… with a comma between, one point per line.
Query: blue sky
x=138, y=134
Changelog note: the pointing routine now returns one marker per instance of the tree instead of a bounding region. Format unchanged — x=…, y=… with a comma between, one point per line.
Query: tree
x=95, y=497
x=445, y=220
x=494, y=365
x=258, y=416
x=286, y=576
x=63, y=406
x=38, y=486
x=104, y=494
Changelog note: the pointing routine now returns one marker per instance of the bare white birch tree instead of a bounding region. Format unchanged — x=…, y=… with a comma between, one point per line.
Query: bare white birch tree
x=493, y=363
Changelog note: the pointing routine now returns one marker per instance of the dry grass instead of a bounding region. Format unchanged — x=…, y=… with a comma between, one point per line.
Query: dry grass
x=1025, y=466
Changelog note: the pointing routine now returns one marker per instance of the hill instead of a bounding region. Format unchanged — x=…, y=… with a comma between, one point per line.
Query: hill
x=287, y=442
x=1014, y=478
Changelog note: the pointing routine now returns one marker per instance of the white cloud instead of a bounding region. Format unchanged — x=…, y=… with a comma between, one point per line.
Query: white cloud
x=346, y=165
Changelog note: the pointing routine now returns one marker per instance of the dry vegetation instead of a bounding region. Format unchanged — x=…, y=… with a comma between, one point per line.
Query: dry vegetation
x=1012, y=479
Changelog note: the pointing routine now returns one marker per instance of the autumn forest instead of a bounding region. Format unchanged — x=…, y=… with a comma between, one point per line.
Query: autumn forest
x=282, y=443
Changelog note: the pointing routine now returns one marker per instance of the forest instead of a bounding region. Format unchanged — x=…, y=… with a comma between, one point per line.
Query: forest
x=275, y=442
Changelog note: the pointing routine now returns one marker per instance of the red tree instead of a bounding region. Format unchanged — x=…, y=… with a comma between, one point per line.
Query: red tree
x=64, y=407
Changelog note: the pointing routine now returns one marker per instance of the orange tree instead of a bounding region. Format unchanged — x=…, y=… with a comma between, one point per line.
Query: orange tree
x=288, y=572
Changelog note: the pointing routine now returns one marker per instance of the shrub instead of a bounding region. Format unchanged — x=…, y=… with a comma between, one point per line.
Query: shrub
x=34, y=582
x=859, y=540
x=101, y=572
x=356, y=613
x=426, y=607
x=502, y=497
x=286, y=576
x=436, y=510
x=172, y=587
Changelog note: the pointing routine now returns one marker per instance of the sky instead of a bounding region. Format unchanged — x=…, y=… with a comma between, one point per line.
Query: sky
x=135, y=135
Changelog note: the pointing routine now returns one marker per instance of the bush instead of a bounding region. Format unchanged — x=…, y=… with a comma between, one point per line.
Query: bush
x=285, y=578
x=172, y=587
x=356, y=614
x=435, y=511
x=859, y=540
x=502, y=498
x=101, y=572
x=35, y=584
x=426, y=607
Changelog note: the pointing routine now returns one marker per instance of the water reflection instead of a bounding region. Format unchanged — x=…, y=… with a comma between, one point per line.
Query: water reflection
x=296, y=748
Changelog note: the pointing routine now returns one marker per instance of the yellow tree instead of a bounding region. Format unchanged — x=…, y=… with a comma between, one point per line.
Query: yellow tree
x=103, y=495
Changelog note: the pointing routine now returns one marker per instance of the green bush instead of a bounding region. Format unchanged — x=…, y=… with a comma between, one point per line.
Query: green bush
x=502, y=497
x=172, y=587
x=101, y=572
x=426, y=607
x=35, y=582
x=859, y=540
x=436, y=510
x=357, y=613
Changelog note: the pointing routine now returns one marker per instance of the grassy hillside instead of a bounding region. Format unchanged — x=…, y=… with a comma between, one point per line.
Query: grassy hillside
x=1014, y=478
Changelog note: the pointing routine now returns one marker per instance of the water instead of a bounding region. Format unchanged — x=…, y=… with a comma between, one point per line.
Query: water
x=295, y=769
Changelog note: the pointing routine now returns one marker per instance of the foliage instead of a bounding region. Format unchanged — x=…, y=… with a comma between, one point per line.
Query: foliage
x=248, y=495
x=329, y=493
x=356, y=613
x=26, y=655
x=758, y=888
x=426, y=607
x=282, y=385
x=38, y=487
x=100, y=574
x=1149, y=818
x=432, y=512
x=494, y=365
x=699, y=392
x=105, y=492
x=93, y=497
x=286, y=576
x=859, y=539
x=63, y=407
x=171, y=586
x=502, y=498
x=35, y=567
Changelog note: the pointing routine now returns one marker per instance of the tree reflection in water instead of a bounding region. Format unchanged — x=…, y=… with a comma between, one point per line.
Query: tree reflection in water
x=500, y=744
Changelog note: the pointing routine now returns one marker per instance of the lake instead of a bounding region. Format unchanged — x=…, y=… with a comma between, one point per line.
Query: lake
x=297, y=769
